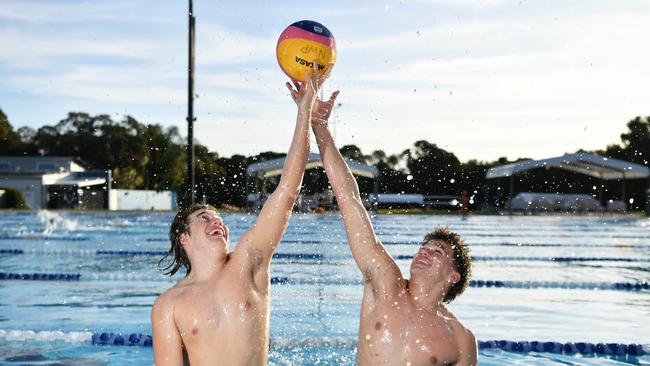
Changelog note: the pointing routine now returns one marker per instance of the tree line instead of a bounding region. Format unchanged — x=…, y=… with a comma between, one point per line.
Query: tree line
x=150, y=156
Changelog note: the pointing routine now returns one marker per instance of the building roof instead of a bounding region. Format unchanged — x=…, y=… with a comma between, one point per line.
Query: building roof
x=584, y=163
x=39, y=164
x=79, y=181
x=274, y=167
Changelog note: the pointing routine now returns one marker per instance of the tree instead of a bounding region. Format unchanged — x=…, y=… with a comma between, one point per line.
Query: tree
x=434, y=170
x=9, y=140
x=165, y=167
x=390, y=179
x=636, y=142
x=102, y=143
x=353, y=152
x=209, y=174
x=232, y=187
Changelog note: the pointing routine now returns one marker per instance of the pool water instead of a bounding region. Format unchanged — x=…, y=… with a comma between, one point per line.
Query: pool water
x=314, y=314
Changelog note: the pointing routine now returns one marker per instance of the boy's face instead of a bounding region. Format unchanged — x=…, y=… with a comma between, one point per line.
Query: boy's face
x=205, y=224
x=434, y=259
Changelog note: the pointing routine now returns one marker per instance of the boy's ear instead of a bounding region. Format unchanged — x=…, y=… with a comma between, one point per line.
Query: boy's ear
x=184, y=239
x=455, y=277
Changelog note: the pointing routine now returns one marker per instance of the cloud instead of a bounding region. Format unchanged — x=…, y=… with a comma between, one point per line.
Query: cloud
x=483, y=86
x=25, y=50
x=66, y=12
x=220, y=45
x=467, y=3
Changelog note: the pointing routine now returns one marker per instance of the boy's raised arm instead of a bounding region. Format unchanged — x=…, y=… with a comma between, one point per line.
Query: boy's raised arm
x=377, y=266
x=258, y=244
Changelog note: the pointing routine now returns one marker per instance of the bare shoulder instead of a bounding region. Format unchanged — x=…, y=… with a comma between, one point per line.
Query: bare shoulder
x=464, y=335
x=467, y=347
x=465, y=340
x=166, y=301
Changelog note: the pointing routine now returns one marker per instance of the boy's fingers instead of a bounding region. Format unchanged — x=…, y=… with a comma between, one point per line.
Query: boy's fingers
x=333, y=97
x=327, y=72
x=307, y=76
x=314, y=76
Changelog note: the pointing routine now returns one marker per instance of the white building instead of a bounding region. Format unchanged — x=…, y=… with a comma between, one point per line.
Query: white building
x=141, y=200
x=55, y=182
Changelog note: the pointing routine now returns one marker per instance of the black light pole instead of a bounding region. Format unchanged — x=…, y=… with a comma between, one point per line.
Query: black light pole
x=190, y=110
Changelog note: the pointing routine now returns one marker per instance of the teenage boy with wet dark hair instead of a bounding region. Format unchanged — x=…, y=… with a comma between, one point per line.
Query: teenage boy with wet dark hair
x=219, y=313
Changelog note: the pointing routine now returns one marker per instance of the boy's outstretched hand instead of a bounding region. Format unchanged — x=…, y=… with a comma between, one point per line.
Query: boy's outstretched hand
x=304, y=92
x=322, y=110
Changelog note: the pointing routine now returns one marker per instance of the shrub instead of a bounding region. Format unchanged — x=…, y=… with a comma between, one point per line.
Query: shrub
x=12, y=198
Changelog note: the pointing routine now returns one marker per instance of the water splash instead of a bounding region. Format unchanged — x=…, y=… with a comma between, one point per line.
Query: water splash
x=53, y=221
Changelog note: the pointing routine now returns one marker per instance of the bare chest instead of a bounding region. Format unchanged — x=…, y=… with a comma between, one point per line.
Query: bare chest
x=206, y=312
x=392, y=337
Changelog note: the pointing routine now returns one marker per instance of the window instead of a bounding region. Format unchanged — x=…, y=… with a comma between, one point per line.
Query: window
x=5, y=167
x=45, y=167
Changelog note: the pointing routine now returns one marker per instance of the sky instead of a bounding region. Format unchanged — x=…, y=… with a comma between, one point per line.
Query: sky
x=482, y=79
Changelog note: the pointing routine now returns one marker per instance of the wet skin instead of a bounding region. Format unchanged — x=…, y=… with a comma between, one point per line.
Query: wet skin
x=219, y=313
x=398, y=329
x=403, y=322
x=221, y=316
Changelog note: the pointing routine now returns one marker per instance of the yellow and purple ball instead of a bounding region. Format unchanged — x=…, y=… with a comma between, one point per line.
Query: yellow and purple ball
x=300, y=44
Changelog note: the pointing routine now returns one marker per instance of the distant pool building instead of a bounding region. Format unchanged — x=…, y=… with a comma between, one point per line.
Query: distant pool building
x=66, y=183
x=55, y=182
x=599, y=169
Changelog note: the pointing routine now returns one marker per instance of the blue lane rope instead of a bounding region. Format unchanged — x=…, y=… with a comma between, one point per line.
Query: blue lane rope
x=135, y=253
x=40, y=276
x=42, y=237
x=470, y=244
x=554, y=245
x=585, y=348
x=534, y=245
x=166, y=240
x=551, y=259
x=387, y=242
x=561, y=259
x=549, y=235
x=307, y=256
x=617, y=286
x=145, y=340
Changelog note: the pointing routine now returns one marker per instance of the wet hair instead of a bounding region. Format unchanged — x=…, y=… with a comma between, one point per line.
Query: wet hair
x=462, y=261
x=180, y=225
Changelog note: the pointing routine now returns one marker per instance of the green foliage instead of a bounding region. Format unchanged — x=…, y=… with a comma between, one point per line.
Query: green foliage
x=209, y=174
x=353, y=152
x=148, y=156
x=12, y=198
x=165, y=166
x=390, y=178
x=140, y=156
x=635, y=145
x=232, y=186
x=434, y=170
x=9, y=140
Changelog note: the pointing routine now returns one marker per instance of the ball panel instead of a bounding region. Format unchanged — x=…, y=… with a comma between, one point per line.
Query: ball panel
x=313, y=27
x=294, y=32
x=296, y=56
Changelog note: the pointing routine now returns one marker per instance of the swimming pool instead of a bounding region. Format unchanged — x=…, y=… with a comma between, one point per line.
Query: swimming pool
x=316, y=292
